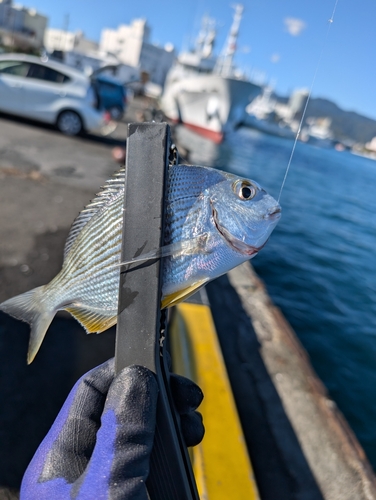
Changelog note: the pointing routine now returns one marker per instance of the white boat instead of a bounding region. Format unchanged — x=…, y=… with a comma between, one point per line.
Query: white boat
x=269, y=127
x=205, y=93
x=261, y=116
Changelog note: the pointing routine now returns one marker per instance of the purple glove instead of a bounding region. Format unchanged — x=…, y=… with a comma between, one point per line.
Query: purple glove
x=100, y=443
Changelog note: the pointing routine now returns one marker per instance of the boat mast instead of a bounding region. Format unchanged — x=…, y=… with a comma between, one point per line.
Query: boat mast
x=206, y=38
x=226, y=60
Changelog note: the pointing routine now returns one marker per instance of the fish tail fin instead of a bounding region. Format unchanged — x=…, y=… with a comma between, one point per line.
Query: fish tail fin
x=28, y=307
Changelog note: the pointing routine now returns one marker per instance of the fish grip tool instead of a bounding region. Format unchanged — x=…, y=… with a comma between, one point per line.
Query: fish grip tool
x=141, y=327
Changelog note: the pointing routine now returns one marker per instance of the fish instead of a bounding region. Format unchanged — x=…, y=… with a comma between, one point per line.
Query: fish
x=214, y=221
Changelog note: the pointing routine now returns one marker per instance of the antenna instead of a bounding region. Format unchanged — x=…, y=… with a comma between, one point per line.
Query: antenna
x=225, y=66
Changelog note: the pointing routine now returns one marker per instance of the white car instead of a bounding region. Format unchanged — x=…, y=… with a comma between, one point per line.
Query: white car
x=50, y=92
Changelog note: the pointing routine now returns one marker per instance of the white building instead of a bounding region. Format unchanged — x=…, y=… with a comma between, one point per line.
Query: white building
x=21, y=27
x=371, y=146
x=55, y=39
x=291, y=112
x=130, y=43
x=83, y=54
x=90, y=62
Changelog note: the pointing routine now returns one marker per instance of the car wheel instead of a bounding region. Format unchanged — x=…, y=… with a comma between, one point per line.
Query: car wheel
x=116, y=113
x=69, y=123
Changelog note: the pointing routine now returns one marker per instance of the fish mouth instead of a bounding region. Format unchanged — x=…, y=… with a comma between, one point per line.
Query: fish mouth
x=236, y=244
x=273, y=213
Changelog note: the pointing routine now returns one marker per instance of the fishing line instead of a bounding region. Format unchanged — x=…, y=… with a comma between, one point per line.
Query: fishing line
x=330, y=22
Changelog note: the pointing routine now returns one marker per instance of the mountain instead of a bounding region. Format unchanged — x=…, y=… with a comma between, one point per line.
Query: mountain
x=345, y=124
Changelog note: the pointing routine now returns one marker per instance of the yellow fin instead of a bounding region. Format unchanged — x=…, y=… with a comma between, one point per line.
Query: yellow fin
x=92, y=321
x=176, y=297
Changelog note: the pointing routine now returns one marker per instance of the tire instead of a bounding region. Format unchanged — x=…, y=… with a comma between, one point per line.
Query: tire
x=69, y=123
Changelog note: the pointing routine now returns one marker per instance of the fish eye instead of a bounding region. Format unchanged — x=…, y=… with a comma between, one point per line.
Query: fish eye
x=245, y=190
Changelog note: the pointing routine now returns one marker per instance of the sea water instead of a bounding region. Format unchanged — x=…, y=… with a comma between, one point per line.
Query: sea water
x=319, y=265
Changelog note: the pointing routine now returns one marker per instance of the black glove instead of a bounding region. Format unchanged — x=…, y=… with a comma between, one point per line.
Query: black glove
x=100, y=443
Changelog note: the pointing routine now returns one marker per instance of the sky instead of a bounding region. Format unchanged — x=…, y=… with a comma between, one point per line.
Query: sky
x=284, y=42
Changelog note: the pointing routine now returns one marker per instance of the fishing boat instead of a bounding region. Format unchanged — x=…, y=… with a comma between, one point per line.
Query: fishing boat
x=260, y=115
x=206, y=93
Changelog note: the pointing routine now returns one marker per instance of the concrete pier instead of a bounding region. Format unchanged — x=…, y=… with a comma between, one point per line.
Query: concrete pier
x=300, y=445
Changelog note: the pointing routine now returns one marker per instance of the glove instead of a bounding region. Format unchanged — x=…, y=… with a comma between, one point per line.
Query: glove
x=100, y=443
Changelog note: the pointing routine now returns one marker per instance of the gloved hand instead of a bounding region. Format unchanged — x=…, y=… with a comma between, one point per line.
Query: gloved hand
x=100, y=443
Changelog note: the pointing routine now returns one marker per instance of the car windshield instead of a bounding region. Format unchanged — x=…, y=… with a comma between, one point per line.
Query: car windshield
x=17, y=68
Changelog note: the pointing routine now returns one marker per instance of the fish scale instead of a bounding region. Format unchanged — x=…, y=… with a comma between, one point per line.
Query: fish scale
x=210, y=228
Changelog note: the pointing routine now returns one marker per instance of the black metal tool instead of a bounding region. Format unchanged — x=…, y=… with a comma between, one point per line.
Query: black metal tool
x=140, y=330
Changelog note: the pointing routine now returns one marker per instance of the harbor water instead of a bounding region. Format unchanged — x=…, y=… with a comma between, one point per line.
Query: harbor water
x=319, y=265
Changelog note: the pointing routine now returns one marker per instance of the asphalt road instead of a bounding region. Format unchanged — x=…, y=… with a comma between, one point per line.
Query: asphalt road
x=45, y=180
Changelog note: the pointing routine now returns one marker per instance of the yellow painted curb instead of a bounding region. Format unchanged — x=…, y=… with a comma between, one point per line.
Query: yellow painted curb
x=220, y=463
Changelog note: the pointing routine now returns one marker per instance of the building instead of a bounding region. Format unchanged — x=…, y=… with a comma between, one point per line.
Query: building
x=95, y=61
x=62, y=40
x=131, y=45
x=371, y=145
x=290, y=113
x=297, y=102
x=21, y=27
x=126, y=42
x=77, y=51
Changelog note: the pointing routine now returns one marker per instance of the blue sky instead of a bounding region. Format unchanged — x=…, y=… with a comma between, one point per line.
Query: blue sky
x=286, y=52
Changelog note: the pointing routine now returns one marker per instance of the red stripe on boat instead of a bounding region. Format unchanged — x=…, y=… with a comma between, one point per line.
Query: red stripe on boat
x=216, y=137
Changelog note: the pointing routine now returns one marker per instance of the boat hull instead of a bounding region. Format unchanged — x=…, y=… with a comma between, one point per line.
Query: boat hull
x=268, y=127
x=211, y=105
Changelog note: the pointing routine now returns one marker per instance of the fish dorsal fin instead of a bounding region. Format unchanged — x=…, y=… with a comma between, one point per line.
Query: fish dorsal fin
x=110, y=189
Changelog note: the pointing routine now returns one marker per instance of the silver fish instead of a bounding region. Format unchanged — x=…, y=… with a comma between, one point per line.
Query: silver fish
x=214, y=222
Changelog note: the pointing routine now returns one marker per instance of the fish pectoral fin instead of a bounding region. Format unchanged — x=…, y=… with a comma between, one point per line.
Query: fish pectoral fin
x=176, y=297
x=92, y=321
x=186, y=247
